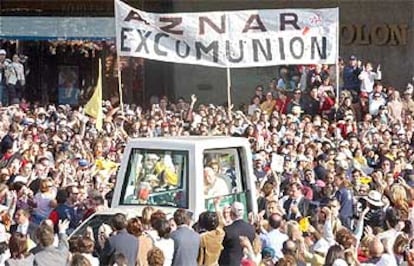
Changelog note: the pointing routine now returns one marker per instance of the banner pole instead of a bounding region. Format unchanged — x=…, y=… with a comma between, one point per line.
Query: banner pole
x=121, y=101
x=337, y=75
x=337, y=60
x=229, y=93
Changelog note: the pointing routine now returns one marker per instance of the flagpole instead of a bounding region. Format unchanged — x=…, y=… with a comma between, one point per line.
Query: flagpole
x=337, y=60
x=229, y=93
x=337, y=75
x=121, y=101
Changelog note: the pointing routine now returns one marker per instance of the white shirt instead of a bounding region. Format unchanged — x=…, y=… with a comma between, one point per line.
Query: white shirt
x=374, y=105
x=166, y=245
x=22, y=228
x=275, y=240
x=219, y=188
x=93, y=260
x=368, y=80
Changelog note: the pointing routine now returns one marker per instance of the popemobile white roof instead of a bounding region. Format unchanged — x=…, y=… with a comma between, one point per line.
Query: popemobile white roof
x=188, y=142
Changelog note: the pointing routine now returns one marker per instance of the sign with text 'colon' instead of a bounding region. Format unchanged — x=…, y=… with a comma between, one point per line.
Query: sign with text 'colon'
x=246, y=38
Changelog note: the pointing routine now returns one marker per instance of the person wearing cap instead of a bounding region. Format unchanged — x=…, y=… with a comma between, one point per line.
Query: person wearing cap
x=232, y=253
x=350, y=76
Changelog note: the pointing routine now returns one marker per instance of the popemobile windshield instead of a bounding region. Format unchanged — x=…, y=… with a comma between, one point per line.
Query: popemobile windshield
x=185, y=172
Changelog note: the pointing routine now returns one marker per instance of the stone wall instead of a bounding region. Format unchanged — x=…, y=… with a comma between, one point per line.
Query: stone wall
x=378, y=31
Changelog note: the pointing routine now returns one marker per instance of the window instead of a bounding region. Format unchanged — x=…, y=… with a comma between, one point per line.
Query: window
x=224, y=177
x=156, y=177
x=222, y=172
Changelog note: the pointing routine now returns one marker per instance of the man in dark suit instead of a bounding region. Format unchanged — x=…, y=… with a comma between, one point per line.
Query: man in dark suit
x=186, y=241
x=23, y=224
x=296, y=206
x=232, y=253
x=120, y=242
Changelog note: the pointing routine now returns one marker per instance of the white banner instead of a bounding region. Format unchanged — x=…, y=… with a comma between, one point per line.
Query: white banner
x=246, y=38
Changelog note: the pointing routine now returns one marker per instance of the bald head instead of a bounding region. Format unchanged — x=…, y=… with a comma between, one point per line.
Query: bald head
x=275, y=221
x=376, y=248
x=289, y=247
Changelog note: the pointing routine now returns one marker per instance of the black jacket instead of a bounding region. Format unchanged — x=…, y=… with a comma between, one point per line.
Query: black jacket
x=232, y=253
x=303, y=206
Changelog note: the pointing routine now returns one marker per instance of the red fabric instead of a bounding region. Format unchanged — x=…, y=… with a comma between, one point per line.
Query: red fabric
x=345, y=130
x=328, y=103
x=361, y=257
x=88, y=213
x=282, y=106
x=307, y=192
x=7, y=156
x=54, y=217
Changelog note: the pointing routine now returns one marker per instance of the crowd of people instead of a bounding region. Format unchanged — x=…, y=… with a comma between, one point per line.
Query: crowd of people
x=342, y=196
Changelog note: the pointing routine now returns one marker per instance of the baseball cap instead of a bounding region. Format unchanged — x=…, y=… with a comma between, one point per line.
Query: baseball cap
x=3, y=52
x=352, y=57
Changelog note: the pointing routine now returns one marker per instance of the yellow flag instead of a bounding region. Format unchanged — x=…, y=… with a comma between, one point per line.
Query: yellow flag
x=94, y=106
x=304, y=224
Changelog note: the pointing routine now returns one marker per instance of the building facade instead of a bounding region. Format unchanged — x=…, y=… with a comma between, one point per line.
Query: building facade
x=377, y=31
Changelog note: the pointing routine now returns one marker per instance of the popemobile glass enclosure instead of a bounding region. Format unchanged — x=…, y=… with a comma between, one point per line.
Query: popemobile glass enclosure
x=185, y=172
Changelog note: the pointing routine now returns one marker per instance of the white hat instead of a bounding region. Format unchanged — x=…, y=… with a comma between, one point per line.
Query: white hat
x=374, y=198
x=3, y=52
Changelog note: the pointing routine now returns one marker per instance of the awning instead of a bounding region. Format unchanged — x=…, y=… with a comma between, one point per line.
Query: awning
x=57, y=28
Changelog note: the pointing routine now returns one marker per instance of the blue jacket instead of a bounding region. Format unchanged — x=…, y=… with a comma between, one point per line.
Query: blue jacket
x=351, y=80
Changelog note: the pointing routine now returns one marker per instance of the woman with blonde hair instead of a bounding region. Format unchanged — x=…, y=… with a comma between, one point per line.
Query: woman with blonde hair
x=44, y=200
x=399, y=200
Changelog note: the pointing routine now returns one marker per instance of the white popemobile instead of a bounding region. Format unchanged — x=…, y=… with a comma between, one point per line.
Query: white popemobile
x=180, y=172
